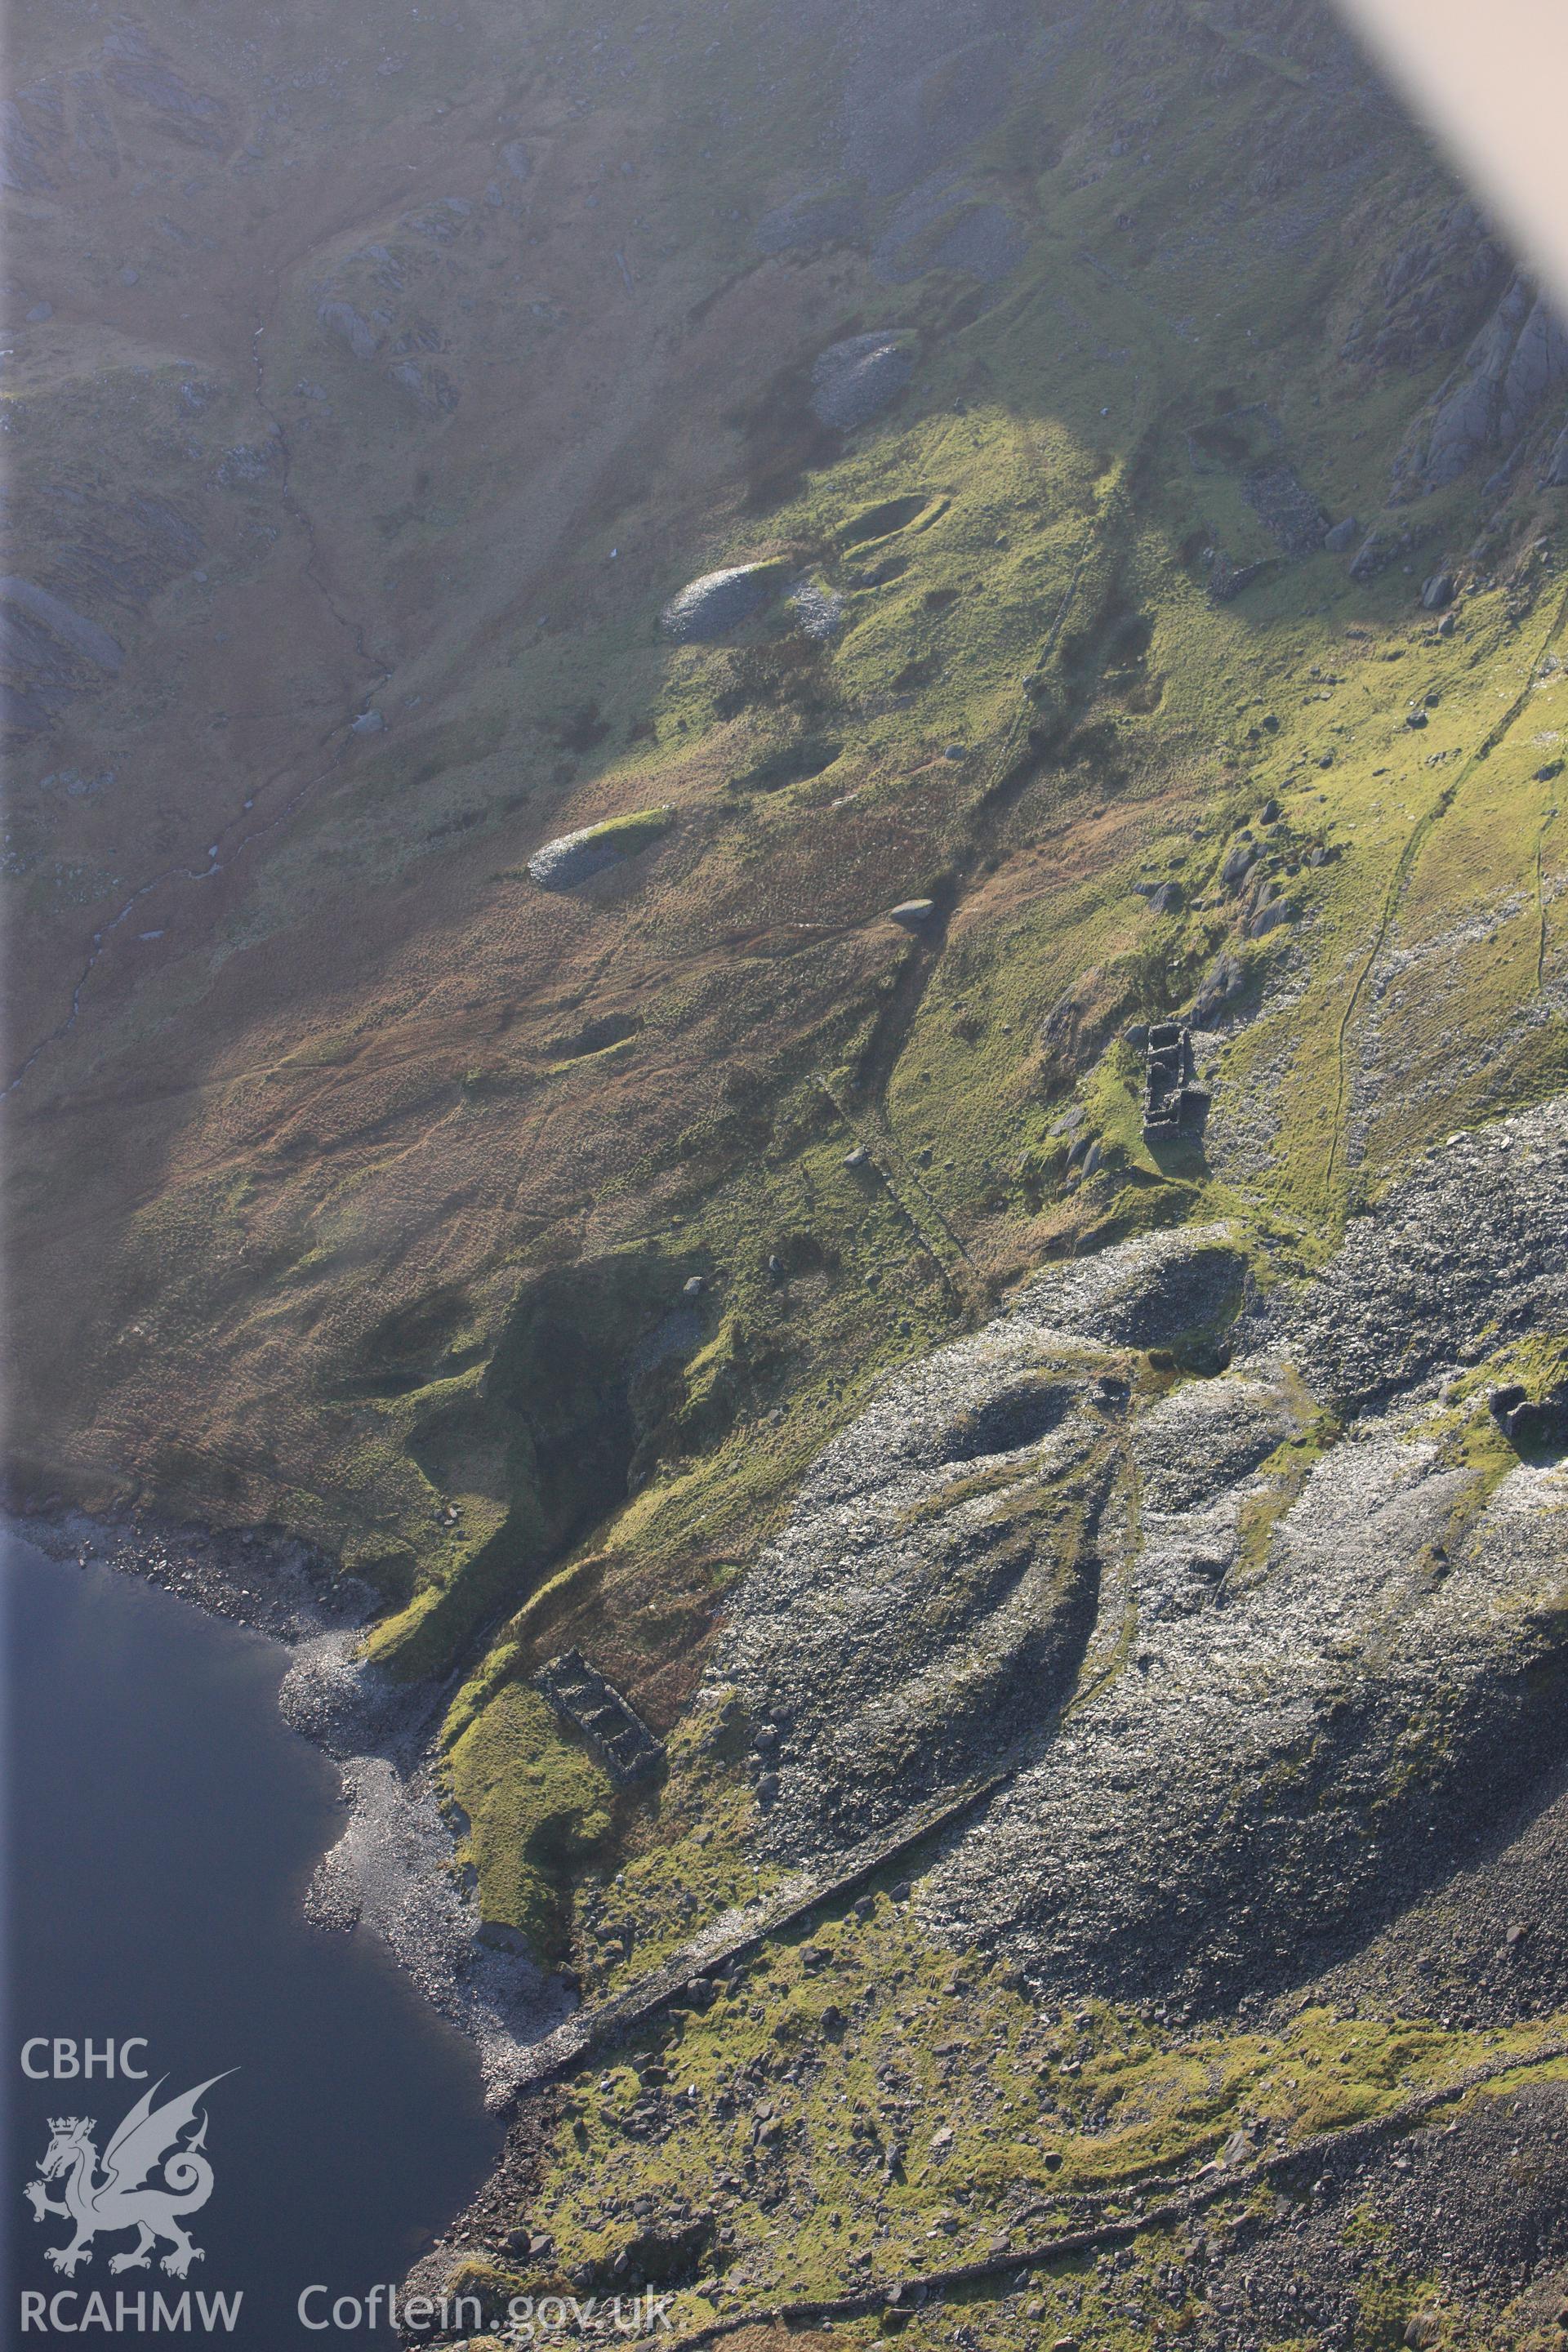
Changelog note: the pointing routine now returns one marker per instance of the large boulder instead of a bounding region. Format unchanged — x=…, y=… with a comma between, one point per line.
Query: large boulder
x=816, y=217
x=852, y=381
x=575, y=857
x=710, y=608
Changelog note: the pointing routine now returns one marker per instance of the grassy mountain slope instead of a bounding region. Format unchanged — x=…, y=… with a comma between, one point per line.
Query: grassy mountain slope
x=395, y=375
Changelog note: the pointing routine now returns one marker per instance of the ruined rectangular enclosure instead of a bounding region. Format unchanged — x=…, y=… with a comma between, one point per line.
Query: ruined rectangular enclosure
x=593, y=1706
x=1168, y=1097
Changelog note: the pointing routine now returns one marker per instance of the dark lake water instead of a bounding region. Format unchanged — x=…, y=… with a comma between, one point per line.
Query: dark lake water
x=163, y=1826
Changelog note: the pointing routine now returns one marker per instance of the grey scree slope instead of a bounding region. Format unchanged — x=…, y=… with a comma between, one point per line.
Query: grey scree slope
x=1266, y=1750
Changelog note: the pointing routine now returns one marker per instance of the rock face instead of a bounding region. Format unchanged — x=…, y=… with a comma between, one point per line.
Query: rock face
x=852, y=381
x=1299, y=1674
x=609, y=1723
x=710, y=608
x=1430, y=290
x=1516, y=364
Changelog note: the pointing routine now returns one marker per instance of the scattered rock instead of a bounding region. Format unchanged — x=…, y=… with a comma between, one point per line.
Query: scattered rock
x=369, y=722
x=1226, y=581
x=251, y=465
x=1437, y=592
x=820, y=609
x=1342, y=536
x=1278, y=496
x=914, y=914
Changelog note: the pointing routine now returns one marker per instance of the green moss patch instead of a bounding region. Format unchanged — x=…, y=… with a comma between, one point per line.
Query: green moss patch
x=537, y=1805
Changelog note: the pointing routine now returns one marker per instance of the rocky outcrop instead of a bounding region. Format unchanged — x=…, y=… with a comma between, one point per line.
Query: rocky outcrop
x=1517, y=363
x=1430, y=290
x=43, y=635
x=1312, y=1664
x=351, y=326
x=136, y=70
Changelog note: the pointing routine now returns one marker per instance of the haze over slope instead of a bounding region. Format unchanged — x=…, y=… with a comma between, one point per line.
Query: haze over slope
x=1154, y=469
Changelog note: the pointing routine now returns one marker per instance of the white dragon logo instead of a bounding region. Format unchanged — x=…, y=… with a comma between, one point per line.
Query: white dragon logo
x=126, y=2198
